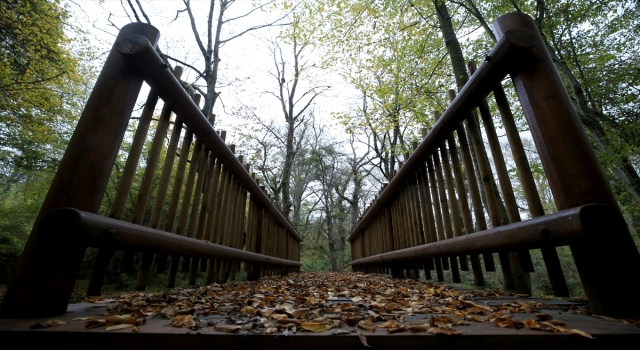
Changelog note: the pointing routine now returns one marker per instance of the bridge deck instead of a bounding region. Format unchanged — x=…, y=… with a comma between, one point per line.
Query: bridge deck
x=158, y=332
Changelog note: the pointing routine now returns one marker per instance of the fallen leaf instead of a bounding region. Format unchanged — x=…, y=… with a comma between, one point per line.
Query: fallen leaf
x=581, y=333
x=388, y=324
x=121, y=319
x=419, y=327
x=402, y=328
x=84, y=318
x=301, y=313
x=363, y=339
x=532, y=324
x=444, y=330
x=249, y=310
x=186, y=321
x=47, y=324
x=475, y=318
x=119, y=326
x=367, y=325
x=225, y=328
x=315, y=327
x=270, y=330
x=543, y=317
x=93, y=323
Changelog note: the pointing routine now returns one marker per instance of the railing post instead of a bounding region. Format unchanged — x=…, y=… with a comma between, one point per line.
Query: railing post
x=46, y=274
x=576, y=178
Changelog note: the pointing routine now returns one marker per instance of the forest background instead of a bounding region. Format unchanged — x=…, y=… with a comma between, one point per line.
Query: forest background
x=323, y=97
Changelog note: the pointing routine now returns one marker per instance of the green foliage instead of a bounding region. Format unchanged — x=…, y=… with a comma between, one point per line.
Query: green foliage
x=41, y=84
x=43, y=80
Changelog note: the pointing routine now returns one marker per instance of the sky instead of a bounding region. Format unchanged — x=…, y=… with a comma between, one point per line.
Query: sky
x=246, y=62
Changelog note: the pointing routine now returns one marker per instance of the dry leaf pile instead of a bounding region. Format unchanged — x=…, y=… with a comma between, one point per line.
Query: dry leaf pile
x=319, y=302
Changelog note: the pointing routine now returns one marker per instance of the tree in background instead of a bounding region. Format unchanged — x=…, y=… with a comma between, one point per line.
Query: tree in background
x=43, y=86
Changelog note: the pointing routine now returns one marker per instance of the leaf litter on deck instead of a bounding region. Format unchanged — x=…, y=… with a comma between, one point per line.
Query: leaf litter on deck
x=318, y=302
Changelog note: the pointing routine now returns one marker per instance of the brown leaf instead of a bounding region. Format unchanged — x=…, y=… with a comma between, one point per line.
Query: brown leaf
x=300, y=313
x=543, y=317
x=444, y=330
x=270, y=330
x=279, y=316
x=363, y=339
x=227, y=328
x=122, y=319
x=388, y=324
x=402, y=328
x=93, y=323
x=631, y=321
x=475, y=318
x=186, y=321
x=315, y=327
x=47, y=324
x=249, y=310
x=119, y=326
x=419, y=327
x=367, y=325
x=581, y=333
x=532, y=324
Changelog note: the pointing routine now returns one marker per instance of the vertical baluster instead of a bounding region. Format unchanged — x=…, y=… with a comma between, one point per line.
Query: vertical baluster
x=176, y=189
x=464, y=208
x=443, y=172
x=549, y=254
x=161, y=194
x=122, y=194
x=437, y=217
x=521, y=260
x=491, y=196
x=175, y=197
x=144, y=192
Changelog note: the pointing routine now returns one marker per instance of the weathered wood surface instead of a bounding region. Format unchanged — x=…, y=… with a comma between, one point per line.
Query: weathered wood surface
x=158, y=333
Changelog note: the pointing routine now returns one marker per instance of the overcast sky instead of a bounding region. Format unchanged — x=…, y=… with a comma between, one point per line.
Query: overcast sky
x=245, y=61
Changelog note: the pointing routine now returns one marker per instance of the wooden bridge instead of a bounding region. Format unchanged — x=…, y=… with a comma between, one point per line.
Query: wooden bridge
x=430, y=217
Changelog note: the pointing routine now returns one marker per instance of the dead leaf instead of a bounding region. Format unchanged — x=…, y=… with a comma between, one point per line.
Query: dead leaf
x=93, y=323
x=249, y=310
x=301, y=313
x=186, y=321
x=363, y=339
x=84, y=318
x=543, y=317
x=119, y=326
x=444, y=330
x=120, y=319
x=315, y=327
x=532, y=324
x=475, y=318
x=279, y=316
x=225, y=328
x=388, y=324
x=419, y=327
x=270, y=330
x=402, y=328
x=48, y=324
x=581, y=333
x=631, y=321
x=367, y=325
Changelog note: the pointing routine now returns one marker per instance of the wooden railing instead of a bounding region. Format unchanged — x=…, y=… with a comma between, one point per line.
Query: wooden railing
x=225, y=217
x=432, y=214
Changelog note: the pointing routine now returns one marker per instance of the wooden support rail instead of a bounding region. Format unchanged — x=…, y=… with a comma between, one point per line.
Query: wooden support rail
x=452, y=174
x=213, y=216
